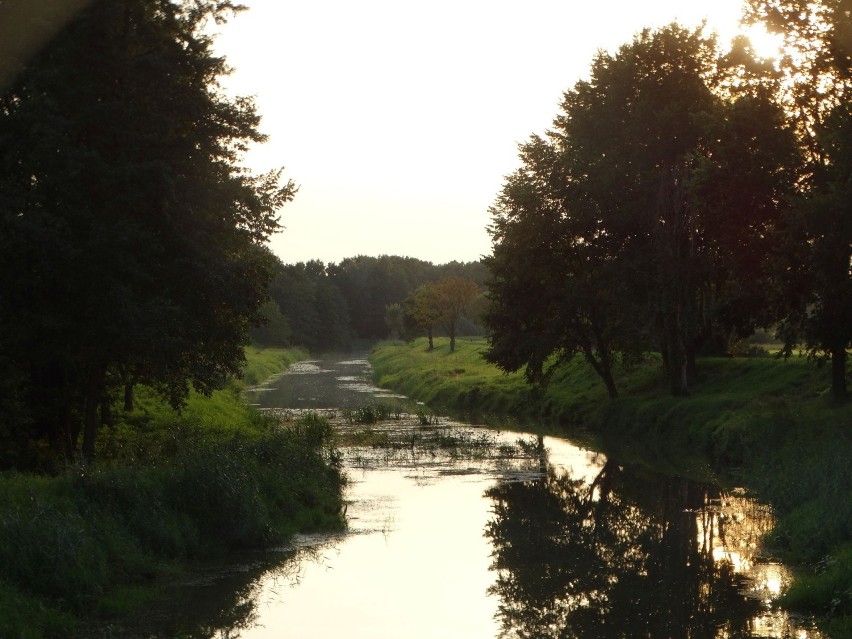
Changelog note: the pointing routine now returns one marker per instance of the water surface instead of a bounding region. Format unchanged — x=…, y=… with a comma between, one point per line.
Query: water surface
x=459, y=531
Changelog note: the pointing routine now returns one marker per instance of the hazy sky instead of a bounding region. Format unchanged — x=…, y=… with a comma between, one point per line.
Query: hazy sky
x=399, y=118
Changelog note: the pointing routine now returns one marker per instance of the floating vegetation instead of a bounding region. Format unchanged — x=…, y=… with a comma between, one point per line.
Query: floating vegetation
x=305, y=368
x=408, y=442
x=427, y=419
x=373, y=413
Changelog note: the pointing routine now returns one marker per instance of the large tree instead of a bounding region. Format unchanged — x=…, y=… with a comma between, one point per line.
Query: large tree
x=132, y=244
x=556, y=286
x=813, y=276
x=615, y=227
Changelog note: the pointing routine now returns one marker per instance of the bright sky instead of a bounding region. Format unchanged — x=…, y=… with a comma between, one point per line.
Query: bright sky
x=399, y=119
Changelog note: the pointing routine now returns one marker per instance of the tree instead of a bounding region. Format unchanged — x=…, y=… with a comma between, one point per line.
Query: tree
x=556, y=288
x=131, y=243
x=614, y=229
x=313, y=306
x=395, y=319
x=423, y=307
x=813, y=264
x=452, y=295
x=275, y=330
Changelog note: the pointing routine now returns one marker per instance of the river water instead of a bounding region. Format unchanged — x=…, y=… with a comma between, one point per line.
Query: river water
x=457, y=531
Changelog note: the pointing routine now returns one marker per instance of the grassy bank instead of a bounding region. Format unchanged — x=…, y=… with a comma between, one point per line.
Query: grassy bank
x=767, y=423
x=262, y=363
x=168, y=488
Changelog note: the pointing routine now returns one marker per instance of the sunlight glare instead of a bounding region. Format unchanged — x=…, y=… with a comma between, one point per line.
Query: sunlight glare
x=765, y=44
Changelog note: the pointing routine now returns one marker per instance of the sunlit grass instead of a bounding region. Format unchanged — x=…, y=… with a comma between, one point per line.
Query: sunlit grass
x=459, y=380
x=262, y=363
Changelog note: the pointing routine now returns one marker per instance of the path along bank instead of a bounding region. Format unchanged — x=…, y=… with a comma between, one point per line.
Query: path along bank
x=759, y=422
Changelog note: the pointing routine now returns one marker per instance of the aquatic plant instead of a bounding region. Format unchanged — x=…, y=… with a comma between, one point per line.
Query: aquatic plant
x=373, y=413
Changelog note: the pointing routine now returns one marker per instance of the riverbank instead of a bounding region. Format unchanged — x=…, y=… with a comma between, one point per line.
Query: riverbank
x=766, y=423
x=89, y=546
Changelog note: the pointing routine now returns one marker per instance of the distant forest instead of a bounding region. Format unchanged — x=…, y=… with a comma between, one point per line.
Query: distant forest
x=325, y=307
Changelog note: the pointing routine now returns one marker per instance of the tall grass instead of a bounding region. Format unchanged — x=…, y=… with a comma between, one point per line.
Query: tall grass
x=167, y=487
x=458, y=381
x=760, y=421
x=262, y=363
x=372, y=413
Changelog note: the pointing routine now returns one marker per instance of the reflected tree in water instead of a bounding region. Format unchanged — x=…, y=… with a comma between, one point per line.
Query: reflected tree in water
x=628, y=555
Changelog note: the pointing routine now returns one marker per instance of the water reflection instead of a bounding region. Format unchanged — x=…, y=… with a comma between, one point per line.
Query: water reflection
x=457, y=531
x=631, y=553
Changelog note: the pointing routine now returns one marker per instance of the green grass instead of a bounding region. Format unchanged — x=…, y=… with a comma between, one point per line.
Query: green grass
x=767, y=423
x=92, y=542
x=262, y=363
x=458, y=381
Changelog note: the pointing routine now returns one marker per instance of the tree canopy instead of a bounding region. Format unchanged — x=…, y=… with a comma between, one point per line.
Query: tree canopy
x=665, y=210
x=131, y=242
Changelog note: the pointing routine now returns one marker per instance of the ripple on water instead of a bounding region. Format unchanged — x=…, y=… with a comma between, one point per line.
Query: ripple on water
x=305, y=368
x=361, y=387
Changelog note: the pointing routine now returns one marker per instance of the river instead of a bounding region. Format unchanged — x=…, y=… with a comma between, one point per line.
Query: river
x=462, y=531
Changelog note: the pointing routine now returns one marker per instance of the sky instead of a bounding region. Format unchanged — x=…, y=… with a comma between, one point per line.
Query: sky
x=399, y=119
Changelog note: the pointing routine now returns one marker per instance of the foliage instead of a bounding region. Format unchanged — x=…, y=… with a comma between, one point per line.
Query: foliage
x=132, y=246
x=670, y=259
x=274, y=330
x=814, y=280
x=324, y=307
x=371, y=284
x=312, y=306
x=441, y=304
x=453, y=295
x=395, y=320
x=423, y=308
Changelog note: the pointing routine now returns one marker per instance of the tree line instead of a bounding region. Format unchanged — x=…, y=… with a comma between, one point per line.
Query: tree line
x=326, y=307
x=685, y=195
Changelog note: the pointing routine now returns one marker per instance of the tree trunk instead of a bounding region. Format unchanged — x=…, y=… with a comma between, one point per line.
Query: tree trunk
x=431, y=345
x=66, y=432
x=603, y=369
x=691, y=366
x=106, y=413
x=128, y=397
x=94, y=390
x=838, y=373
x=678, y=375
x=676, y=357
x=452, y=342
